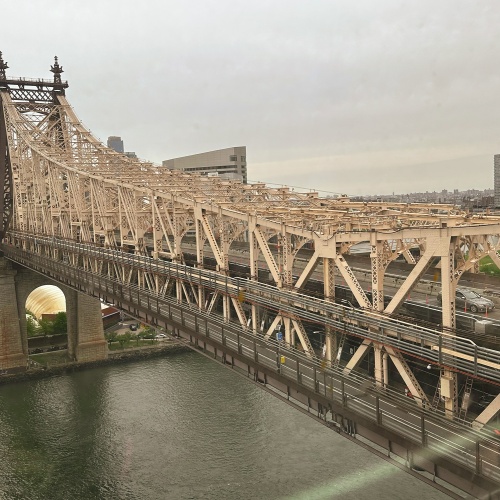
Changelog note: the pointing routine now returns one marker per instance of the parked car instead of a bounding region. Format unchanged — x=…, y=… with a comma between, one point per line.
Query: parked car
x=478, y=406
x=162, y=335
x=470, y=300
x=133, y=327
x=486, y=399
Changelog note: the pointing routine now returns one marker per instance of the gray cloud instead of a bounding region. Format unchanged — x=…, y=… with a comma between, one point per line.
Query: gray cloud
x=355, y=97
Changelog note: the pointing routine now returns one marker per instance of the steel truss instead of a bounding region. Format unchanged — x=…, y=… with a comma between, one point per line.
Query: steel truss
x=345, y=403
x=59, y=181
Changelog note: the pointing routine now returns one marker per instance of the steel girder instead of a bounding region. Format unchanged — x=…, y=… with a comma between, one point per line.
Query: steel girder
x=60, y=181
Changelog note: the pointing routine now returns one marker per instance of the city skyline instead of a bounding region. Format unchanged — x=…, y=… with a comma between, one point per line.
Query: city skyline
x=378, y=97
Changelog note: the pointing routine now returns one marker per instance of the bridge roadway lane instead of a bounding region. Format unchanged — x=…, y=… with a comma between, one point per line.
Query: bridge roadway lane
x=476, y=452
x=351, y=320
x=396, y=413
x=361, y=264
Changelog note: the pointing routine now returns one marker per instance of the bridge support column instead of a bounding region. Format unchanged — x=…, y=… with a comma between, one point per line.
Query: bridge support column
x=448, y=380
x=254, y=273
x=85, y=331
x=380, y=371
x=13, y=354
x=378, y=270
x=289, y=334
x=329, y=290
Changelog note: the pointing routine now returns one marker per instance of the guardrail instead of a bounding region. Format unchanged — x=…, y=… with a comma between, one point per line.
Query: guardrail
x=33, y=81
x=472, y=450
x=442, y=349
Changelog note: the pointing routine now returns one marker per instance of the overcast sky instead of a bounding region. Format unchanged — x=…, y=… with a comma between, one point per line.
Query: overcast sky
x=356, y=97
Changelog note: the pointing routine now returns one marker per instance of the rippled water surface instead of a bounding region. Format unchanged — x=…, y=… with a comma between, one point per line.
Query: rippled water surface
x=180, y=427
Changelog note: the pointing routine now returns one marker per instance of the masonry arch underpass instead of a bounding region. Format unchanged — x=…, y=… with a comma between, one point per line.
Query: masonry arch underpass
x=46, y=299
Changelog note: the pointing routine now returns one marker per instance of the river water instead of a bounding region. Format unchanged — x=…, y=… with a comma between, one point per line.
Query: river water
x=179, y=427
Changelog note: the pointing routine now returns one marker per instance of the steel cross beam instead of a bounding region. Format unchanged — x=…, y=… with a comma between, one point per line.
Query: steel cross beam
x=60, y=181
x=451, y=446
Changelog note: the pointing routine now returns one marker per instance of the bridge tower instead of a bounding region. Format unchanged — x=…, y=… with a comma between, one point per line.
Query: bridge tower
x=85, y=331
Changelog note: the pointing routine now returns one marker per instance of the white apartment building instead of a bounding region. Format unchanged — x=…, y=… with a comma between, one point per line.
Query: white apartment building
x=230, y=163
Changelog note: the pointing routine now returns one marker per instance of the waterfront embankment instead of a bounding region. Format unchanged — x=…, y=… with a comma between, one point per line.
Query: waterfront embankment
x=131, y=354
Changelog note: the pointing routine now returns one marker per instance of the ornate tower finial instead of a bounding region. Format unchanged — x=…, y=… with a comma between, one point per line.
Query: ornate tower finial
x=3, y=67
x=57, y=70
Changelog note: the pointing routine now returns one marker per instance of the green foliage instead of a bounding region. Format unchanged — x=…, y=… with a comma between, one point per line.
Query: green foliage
x=487, y=266
x=111, y=337
x=31, y=326
x=115, y=346
x=148, y=333
x=60, y=323
x=124, y=339
x=45, y=327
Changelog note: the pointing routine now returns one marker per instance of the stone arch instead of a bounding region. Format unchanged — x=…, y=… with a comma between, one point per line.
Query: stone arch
x=85, y=331
x=46, y=299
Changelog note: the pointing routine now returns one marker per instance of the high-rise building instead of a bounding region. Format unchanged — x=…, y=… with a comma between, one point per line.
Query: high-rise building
x=496, y=167
x=230, y=163
x=116, y=143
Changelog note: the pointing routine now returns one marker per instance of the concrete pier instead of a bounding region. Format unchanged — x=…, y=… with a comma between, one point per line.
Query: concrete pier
x=85, y=330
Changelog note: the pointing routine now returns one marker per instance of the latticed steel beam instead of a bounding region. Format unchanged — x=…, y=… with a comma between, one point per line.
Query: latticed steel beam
x=59, y=180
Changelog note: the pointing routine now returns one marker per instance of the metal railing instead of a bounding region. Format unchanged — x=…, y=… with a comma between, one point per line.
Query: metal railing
x=470, y=449
x=442, y=349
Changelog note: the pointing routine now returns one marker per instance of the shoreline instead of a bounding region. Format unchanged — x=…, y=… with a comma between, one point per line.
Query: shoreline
x=114, y=357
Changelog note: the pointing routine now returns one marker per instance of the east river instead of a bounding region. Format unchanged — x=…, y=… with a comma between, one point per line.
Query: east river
x=179, y=427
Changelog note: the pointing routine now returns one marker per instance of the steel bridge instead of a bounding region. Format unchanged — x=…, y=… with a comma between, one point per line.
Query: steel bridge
x=117, y=228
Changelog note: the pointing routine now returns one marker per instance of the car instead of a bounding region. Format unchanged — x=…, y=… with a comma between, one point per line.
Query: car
x=477, y=406
x=486, y=399
x=162, y=335
x=133, y=327
x=470, y=300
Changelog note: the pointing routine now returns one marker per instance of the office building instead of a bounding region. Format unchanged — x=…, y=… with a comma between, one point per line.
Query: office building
x=229, y=163
x=116, y=143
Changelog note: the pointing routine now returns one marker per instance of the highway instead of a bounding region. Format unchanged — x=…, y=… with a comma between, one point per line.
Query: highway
x=424, y=294
x=420, y=341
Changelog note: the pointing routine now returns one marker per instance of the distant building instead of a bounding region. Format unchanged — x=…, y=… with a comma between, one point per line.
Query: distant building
x=229, y=163
x=496, y=167
x=116, y=143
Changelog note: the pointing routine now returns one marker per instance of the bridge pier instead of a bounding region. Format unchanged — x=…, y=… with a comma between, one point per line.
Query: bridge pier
x=85, y=331
x=13, y=346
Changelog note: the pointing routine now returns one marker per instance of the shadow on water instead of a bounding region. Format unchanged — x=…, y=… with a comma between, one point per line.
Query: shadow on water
x=56, y=439
x=179, y=427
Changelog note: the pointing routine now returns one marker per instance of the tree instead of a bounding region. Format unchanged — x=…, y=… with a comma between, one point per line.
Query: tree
x=149, y=333
x=111, y=337
x=45, y=327
x=31, y=326
x=124, y=338
x=60, y=323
